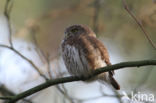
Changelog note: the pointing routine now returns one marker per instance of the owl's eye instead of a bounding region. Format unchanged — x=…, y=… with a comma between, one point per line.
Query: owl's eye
x=74, y=30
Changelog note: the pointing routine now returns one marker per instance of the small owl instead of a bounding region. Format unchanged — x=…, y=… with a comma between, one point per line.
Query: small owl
x=83, y=53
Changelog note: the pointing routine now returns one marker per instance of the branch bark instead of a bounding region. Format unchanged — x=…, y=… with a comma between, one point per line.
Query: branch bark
x=57, y=81
x=8, y=94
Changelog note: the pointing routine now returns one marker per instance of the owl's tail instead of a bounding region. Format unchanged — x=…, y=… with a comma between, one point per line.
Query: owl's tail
x=113, y=82
x=108, y=77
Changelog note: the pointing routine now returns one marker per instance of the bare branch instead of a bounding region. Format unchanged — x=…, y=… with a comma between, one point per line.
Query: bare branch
x=25, y=58
x=139, y=23
x=7, y=11
x=64, y=90
x=5, y=98
x=9, y=94
x=118, y=96
x=96, y=16
x=47, y=59
x=57, y=81
x=38, y=49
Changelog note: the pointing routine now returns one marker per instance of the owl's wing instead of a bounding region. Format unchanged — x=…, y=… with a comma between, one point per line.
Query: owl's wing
x=95, y=52
x=90, y=48
x=97, y=55
x=87, y=53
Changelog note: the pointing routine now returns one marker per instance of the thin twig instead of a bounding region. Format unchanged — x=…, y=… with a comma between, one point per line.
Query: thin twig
x=26, y=59
x=7, y=11
x=38, y=49
x=76, y=78
x=64, y=90
x=97, y=97
x=139, y=23
x=65, y=94
x=47, y=59
x=118, y=96
x=49, y=67
x=41, y=52
x=96, y=16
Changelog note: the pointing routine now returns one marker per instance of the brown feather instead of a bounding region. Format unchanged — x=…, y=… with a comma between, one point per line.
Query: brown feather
x=89, y=47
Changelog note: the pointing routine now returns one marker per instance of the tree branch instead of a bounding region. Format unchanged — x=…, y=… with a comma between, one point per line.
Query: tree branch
x=96, y=16
x=6, y=98
x=139, y=23
x=25, y=58
x=47, y=59
x=7, y=94
x=7, y=11
x=57, y=81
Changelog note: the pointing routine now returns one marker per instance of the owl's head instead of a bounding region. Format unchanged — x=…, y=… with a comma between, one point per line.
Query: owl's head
x=77, y=30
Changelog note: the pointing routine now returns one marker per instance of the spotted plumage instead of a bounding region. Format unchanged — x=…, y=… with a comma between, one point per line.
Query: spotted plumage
x=83, y=53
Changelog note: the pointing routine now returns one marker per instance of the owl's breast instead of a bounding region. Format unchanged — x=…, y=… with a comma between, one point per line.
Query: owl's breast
x=75, y=61
x=81, y=56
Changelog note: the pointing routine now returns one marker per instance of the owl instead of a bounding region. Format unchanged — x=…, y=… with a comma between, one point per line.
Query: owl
x=83, y=53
